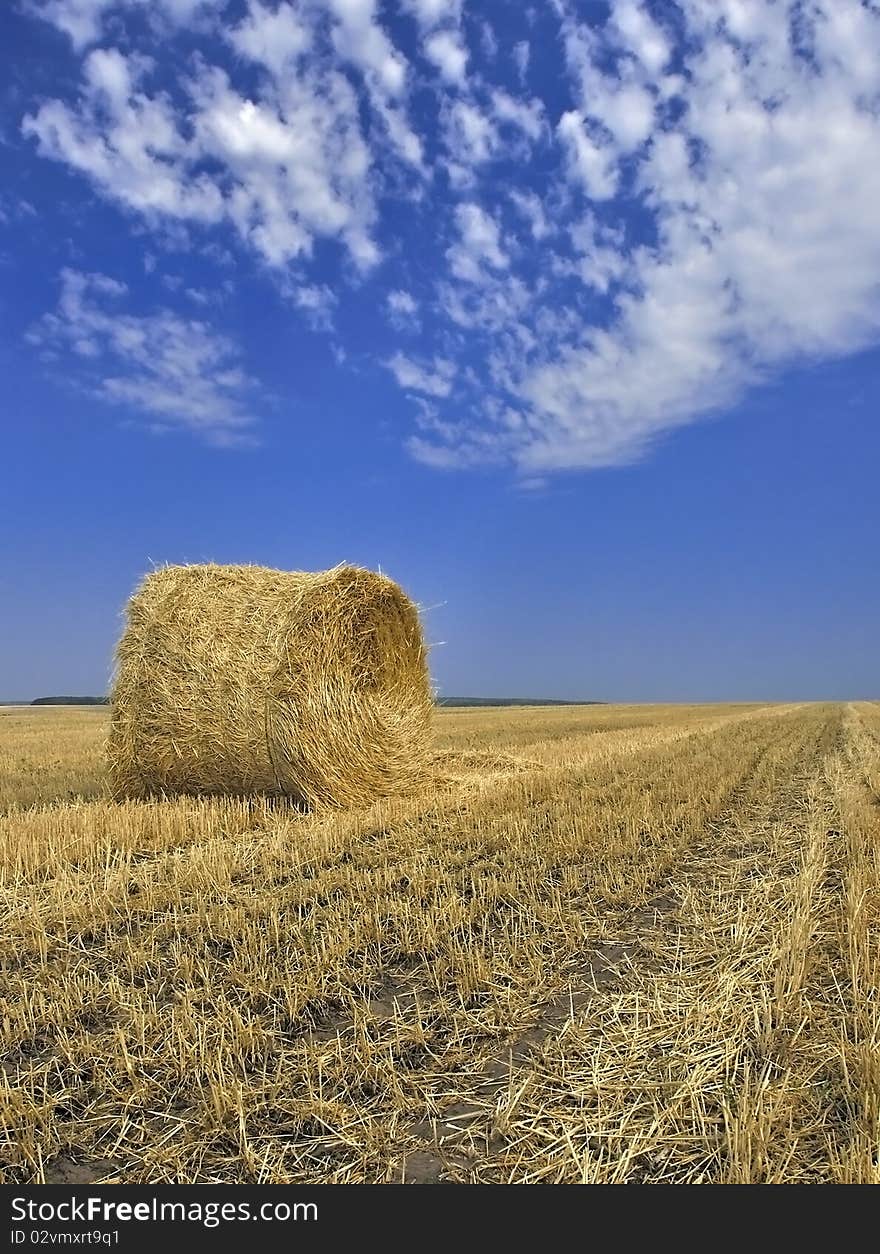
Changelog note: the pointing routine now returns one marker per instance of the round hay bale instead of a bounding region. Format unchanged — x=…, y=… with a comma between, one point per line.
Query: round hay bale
x=240, y=679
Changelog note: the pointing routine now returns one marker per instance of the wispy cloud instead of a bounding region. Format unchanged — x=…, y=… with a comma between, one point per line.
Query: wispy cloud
x=83, y=20
x=317, y=303
x=759, y=169
x=285, y=168
x=433, y=379
x=478, y=245
x=175, y=372
x=403, y=310
x=692, y=212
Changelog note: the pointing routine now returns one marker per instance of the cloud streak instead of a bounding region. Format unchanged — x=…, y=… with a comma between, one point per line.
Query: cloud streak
x=173, y=372
x=759, y=167
x=692, y=212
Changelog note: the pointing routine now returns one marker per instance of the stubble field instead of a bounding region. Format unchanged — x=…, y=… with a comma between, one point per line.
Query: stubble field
x=602, y=944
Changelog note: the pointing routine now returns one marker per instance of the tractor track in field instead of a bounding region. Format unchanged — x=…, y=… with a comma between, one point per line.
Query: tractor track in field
x=444, y=1149
x=448, y=1148
x=605, y=960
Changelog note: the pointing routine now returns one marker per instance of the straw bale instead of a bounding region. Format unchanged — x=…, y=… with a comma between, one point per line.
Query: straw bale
x=241, y=679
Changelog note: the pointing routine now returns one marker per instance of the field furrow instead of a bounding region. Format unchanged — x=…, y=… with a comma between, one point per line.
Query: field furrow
x=634, y=951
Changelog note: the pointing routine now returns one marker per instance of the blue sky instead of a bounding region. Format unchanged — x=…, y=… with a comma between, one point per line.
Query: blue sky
x=567, y=316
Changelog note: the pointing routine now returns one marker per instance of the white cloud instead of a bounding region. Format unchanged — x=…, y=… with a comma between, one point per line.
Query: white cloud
x=430, y=13
x=296, y=166
x=592, y=164
x=126, y=142
x=400, y=302
x=621, y=101
x=176, y=371
x=443, y=42
x=434, y=379
x=493, y=303
x=403, y=311
x=83, y=20
x=599, y=256
x=272, y=37
x=505, y=127
x=521, y=55
x=640, y=34
x=763, y=191
x=703, y=215
x=531, y=208
x=627, y=111
x=445, y=50
x=317, y=302
x=360, y=40
x=488, y=40
x=287, y=168
x=470, y=135
x=526, y=116
x=478, y=245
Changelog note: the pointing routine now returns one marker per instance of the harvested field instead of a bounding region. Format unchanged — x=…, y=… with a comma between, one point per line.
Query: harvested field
x=608, y=944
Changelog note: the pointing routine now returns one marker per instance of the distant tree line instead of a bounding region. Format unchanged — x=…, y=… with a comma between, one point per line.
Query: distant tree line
x=71, y=701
